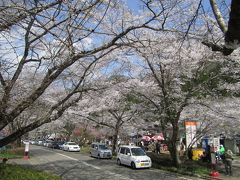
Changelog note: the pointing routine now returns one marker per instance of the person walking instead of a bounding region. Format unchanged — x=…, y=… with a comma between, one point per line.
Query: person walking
x=228, y=162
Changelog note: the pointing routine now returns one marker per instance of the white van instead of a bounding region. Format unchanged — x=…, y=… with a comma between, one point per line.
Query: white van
x=133, y=156
x=100, y=150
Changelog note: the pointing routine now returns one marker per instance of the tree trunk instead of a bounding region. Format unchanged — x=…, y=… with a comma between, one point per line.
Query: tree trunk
x=232, y=37
x=115, y=138
x=173, y=145
x=18, y=142
x=68, y=137
x=175, y=154
x=10, y=138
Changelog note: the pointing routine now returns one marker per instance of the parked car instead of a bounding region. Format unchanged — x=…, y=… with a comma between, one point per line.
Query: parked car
x=71, y=146
x=100, y=150
x=50, y=144
x=57, y=145
x=33, y=142
x=44, y=143
x=60, y=144
x=40, y=142
x=47, y=143
x=133, y=156
x=25, y=141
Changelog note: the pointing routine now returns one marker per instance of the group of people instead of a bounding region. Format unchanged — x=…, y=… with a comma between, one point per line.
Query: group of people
x=152, y=146
x=213, y=156
x=227, y=158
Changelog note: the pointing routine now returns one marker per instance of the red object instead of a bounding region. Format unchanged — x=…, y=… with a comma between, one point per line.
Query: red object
x=214, y=174
x=146, y=138
x=158, y=137
x=26, y=156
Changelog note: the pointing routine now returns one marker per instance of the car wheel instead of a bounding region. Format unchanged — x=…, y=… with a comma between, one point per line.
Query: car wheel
x=98, y=156
x=133, y=165
x=68, y=149
x=119, y=162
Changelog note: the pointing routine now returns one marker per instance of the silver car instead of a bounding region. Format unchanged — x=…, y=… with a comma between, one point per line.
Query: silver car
x=100, y=150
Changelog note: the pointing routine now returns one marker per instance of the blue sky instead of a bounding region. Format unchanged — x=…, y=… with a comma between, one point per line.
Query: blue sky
x=133, y=4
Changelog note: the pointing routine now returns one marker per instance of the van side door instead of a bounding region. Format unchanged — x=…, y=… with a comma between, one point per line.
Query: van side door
x=122, y=155
x=92, y=150
x=128, y=157
x=95, y=150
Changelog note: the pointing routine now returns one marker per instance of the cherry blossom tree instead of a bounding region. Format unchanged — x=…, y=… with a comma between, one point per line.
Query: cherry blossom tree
x=113, y=107
x=56, y=45
x=182, y=76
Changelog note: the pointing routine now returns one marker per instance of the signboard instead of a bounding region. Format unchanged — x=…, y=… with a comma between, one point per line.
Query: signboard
x=191, y=129
x=216, y=143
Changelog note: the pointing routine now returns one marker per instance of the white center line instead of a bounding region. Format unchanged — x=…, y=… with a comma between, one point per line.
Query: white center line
x=95, y=167
x=67, y=156
x=85, y=163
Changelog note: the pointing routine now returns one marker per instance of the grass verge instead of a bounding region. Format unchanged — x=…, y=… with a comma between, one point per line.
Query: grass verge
x=12, y=153
x=163, y=162
x=15, y=172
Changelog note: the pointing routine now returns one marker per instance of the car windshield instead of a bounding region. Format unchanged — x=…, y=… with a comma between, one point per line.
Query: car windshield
x=72, y=143
x=137, y=152
x=103, y=147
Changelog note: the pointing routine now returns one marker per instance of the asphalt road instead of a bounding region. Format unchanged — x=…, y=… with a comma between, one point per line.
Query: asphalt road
x=77, y=166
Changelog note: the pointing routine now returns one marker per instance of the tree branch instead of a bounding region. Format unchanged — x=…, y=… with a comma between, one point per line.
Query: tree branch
x=24, y=14
x=218, y=16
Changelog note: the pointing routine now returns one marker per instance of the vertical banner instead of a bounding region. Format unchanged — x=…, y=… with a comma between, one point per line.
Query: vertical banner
x=216, y=143
x=191, y=129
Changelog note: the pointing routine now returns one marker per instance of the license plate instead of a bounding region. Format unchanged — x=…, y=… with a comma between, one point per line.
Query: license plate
x=144, y=164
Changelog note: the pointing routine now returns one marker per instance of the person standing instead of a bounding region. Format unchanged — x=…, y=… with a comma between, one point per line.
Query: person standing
x=158, y=145
x=190, y=153
x=142, y=145
x=151, y=147
x=208, y=153
x=228, y=162
x=213, y=157
x=222, y=152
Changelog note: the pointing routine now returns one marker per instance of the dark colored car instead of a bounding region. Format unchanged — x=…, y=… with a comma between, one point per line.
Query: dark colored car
x=57, y=144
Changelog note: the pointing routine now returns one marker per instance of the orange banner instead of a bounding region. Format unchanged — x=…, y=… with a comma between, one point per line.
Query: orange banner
x=190, y=123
